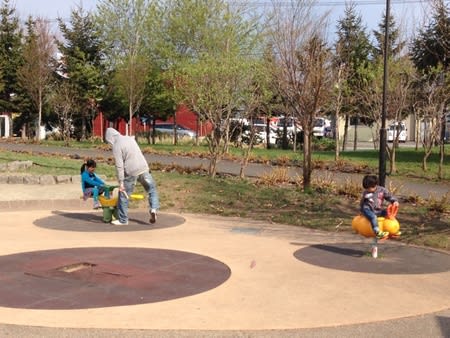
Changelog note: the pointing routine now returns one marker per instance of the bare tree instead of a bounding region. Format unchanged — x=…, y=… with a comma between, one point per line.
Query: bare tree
x=338, y=103
x=257, y=96
x=432, y=108
x=63, y=100
x=35, y=75
x=402, y=76
x=303, y=74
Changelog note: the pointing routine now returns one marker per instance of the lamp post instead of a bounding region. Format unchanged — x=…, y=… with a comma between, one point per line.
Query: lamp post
x=382, y=154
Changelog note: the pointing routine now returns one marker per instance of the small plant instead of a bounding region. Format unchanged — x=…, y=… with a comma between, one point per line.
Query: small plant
x=283, y=160
x=319, y=164
x=323, y=144
x=394, y=189
x=324, y=184
x=275, y=177
x=414, y=199
x=441, y=206
x=350, y=189
x=298, y=181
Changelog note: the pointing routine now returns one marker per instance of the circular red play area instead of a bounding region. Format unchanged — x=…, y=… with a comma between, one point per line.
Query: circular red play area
x=80, y=278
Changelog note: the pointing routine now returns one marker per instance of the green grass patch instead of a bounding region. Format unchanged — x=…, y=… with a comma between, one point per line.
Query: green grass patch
x=49, y=164
x=408, y=160
x=322, y=207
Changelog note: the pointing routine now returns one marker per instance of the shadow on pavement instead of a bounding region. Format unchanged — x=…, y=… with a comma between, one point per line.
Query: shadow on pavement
x=93, y=222
x=392, y=258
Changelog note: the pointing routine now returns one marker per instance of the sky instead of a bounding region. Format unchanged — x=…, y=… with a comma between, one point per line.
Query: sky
x=407, y=12
x=50, y=9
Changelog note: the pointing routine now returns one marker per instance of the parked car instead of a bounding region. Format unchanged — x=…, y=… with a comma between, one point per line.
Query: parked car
x=322, y=126
x=294, y=131
x=168, y=128
x=394, y=128
x=289, y=125
x=260, y=128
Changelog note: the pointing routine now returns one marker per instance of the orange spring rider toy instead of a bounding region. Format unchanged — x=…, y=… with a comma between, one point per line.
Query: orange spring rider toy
x=362, y=226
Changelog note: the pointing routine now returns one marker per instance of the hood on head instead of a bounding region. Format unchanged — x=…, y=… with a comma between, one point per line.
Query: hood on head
x=111, y=135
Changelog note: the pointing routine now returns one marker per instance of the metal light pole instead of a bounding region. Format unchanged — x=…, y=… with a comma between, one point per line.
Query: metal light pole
x=382, y=157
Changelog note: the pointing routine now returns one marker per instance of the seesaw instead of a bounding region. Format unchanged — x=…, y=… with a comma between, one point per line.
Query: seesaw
x=109, y=205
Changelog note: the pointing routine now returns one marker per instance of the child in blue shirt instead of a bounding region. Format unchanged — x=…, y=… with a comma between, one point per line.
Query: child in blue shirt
x=91, y=184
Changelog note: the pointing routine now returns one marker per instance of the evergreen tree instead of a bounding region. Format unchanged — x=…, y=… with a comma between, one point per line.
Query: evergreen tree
x=82, y=62
x=431, y=48
x=395, y=44
x=10, y=56
x=353, y=54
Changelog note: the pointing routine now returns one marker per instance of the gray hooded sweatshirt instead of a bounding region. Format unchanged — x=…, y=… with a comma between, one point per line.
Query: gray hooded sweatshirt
x=127, y=155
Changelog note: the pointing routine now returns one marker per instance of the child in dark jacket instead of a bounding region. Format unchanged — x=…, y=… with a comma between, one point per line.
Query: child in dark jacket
x=371, y=204
x=91, y=184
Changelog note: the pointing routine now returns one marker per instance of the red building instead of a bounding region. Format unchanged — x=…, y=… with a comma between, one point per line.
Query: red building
x=184, y=117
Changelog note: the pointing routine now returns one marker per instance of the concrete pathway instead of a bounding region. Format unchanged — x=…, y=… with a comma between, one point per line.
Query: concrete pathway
x=284, y=281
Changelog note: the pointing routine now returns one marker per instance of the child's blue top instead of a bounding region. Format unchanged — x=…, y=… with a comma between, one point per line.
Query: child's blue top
x=90, y=180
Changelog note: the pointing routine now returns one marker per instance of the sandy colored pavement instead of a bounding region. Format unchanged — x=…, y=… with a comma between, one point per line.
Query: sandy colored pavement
x=269, y=289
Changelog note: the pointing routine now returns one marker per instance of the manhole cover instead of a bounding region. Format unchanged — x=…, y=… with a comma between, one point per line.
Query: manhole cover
x=99, y=277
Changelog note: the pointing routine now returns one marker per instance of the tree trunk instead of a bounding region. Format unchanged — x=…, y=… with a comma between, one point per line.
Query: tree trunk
x=441, y=172
x=83, y=125
x=130, y=117
x=213, y=166
x=344, y=139
x=424, y=160
x=38, y=133
x=392, y=161
x=244, y=162
x=307, y=165
x=214, y=151
x=336, y=134
x=24, y=131
x=175, y=135
x=355, y=135
x=417, y=131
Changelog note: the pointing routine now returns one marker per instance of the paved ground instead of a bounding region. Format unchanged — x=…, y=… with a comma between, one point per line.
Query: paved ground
x=65, y=273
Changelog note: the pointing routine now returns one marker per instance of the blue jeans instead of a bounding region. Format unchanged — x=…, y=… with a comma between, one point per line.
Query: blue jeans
x=373, y=217
x=147, y=181
x=94, y=192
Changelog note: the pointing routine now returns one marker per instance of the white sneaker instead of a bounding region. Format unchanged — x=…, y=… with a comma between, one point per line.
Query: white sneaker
x=153, y=216
x=117, y=222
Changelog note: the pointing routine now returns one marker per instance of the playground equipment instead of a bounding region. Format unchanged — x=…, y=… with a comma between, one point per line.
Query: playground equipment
x=109, y=202
x=362, y=226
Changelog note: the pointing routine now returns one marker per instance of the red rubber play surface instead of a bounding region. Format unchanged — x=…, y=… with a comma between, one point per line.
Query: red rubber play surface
x=80, y=278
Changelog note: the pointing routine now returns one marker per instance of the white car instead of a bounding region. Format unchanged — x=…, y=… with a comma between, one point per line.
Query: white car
x=261, y=134
x=321, y=126
x=290, y=126
x=393, y=129
x=167, y=128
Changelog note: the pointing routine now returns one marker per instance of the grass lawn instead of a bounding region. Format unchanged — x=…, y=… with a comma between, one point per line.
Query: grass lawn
x=325, y=207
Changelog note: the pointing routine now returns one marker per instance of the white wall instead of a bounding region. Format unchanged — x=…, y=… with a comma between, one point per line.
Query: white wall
x=5, y=126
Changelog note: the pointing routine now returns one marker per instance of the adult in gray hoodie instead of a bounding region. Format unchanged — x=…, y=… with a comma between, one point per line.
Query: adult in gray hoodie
x=131, y=167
